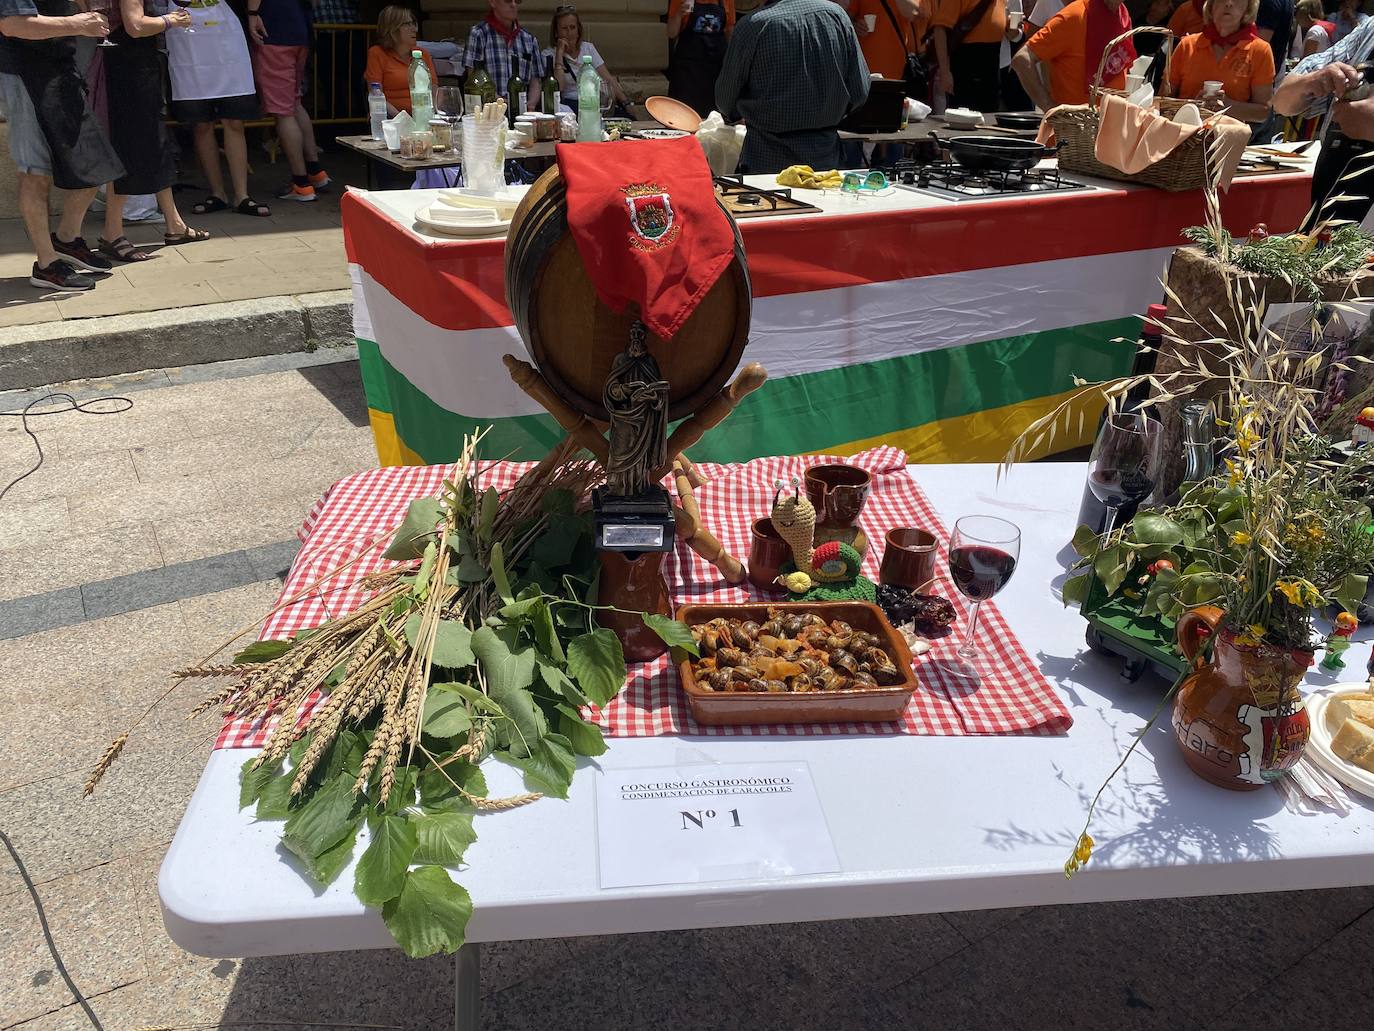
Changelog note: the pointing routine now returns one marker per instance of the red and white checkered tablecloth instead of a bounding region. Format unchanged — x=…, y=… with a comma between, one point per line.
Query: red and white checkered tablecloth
x=359, y=509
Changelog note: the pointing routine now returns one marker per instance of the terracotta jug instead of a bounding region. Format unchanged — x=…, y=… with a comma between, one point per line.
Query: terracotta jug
x=634, y=585
x=1239, y=718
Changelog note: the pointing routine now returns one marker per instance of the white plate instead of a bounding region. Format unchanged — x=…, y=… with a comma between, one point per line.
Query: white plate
x=449, y=229
x=1319, y=744
x=963, y=118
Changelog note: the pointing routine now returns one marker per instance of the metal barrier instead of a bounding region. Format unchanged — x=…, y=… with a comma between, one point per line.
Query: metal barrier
x=338, y=58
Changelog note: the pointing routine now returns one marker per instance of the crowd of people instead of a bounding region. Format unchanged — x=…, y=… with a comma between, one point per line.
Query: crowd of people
x=791, y=69
x=105, y=126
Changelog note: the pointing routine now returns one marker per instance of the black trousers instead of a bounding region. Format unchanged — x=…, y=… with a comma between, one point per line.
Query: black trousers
x=976, y=77
x=1340, y=157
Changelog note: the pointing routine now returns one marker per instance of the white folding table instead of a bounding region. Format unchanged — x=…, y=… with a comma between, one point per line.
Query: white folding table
x=920, y=824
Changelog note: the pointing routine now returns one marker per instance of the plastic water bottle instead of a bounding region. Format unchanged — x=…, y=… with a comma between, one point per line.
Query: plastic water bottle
x=421, y=96
x=588, y=103
x=376, y=108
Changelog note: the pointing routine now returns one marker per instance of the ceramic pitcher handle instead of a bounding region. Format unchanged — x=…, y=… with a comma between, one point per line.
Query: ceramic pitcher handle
x=1195, y=626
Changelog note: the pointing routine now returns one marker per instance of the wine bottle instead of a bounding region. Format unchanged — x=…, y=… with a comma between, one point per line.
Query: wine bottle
x=549, y=90
x=1092, y=512
x=480, y=85
x=517, y=93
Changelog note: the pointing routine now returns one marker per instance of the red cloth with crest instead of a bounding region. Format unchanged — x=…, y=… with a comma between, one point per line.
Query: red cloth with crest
x=644, y=216
x=1103, y=26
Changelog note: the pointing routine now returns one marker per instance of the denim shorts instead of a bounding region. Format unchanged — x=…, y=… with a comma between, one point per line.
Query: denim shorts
x=28, y=145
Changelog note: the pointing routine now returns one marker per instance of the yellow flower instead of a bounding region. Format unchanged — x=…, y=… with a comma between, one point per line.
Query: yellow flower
x=1316, y=534
x=1290, y=589
x=1082, y=852
x=1234, y=473
x=1240, y=538
x=1251, y=635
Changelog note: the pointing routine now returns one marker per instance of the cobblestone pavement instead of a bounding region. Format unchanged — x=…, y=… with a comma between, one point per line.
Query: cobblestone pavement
x=146, y=536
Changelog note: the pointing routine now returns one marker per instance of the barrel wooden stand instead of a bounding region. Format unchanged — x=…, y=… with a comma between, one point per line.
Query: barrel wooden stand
x=574, y=339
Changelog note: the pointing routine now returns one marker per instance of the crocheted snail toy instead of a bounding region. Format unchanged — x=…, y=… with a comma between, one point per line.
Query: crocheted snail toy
x=826, y=573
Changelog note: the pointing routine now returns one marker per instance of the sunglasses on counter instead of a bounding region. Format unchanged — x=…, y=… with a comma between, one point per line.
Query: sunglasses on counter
x=853, y=182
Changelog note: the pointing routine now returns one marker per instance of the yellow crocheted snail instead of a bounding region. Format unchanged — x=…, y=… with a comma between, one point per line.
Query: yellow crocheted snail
x=795, y=520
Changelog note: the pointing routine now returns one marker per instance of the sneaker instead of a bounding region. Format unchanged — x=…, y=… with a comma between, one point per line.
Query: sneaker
x=320, y=180
x=78, y=254
x=60, y=276
x=148, y=218
x=291, y=191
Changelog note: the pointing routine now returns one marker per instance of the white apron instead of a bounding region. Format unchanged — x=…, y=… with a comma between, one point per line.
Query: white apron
x=213, y=61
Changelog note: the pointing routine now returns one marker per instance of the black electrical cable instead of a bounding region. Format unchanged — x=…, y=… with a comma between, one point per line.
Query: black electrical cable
x=123, y=404
x=47, y=932
x=72, y=405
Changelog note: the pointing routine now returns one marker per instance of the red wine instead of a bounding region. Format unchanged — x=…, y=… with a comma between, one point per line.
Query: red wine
x=980, y=572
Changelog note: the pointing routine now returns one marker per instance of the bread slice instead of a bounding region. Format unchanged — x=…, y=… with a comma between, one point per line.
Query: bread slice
x=1357, y=707
x=1354, y=743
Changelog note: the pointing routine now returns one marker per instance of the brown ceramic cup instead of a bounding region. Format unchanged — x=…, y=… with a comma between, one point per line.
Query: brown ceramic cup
x=838, y=492
x=909, y=558
x=768, y=553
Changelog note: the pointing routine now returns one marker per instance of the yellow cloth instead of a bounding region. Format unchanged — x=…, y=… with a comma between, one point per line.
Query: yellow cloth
x=807, y=178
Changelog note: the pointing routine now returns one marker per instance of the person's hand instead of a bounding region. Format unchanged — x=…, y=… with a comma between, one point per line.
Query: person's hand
x=257, y=29
x=178, y=19
x=1356, y=118
x=1335, y=78
x=946, y=80
x=90, y=23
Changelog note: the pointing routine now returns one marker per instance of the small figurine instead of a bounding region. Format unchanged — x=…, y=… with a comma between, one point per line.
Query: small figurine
x=1363, y=433
x=1339, y=641
x=829, y=572
x=1259, y=233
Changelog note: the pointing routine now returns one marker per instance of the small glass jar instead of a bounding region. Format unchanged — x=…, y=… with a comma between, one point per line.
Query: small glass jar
x=416, y=146
x=443, y=135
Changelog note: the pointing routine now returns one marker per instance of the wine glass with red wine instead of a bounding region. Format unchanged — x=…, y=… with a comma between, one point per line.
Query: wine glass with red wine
x=982, y=556
x=1125, y=462
x=185, y=5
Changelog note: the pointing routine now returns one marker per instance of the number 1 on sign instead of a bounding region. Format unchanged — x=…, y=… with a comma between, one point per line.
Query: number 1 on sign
x=698, y=819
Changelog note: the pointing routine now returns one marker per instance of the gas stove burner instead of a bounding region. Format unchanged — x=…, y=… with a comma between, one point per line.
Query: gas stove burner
x=955, y=182
x=745, y=201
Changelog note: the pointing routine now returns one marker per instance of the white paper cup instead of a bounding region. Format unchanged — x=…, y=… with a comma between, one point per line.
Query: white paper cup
x=1014, y=20
x=870, y=22
x=1212, y=87
x=391, y=133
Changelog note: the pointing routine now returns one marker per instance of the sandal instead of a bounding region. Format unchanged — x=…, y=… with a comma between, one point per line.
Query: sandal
x=209, y=205
x=188, y=235
x=121, y=249
x=248, y=206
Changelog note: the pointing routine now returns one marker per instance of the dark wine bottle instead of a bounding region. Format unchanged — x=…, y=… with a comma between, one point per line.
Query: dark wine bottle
x=1091, y=512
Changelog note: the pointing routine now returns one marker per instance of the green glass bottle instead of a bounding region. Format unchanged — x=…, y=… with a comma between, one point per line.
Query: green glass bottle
x=549, y=88
x=517, y=92
x=480, y=85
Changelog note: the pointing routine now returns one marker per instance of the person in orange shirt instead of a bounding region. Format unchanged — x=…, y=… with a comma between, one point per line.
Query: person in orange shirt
x=1188, y=18
x=883, y=49
x=1228, y=50
x=967, y=35
x=1071, y=45
x=388, y=62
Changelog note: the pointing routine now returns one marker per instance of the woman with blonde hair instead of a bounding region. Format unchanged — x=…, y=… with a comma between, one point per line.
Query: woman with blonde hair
x=569, y=46
x=1315, y=32
x=1228, y=50
x=388, y=62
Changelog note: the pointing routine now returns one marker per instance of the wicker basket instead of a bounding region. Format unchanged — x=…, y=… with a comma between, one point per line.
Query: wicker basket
x=1184, y=168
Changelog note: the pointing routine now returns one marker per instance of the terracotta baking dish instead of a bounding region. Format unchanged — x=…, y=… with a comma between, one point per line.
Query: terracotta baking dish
x=862, y=705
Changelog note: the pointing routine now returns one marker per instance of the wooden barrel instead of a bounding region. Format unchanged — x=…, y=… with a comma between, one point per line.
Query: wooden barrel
x=573, y=337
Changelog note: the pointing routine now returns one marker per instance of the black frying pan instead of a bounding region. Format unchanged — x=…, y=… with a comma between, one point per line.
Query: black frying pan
x=1018, y=119
x=996, y=153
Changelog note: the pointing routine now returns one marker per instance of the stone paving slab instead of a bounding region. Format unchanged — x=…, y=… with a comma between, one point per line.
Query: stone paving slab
x=1174, y=965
